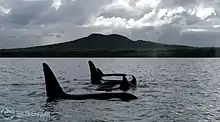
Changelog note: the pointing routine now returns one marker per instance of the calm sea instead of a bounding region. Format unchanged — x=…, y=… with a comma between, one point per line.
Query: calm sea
x=175, y=89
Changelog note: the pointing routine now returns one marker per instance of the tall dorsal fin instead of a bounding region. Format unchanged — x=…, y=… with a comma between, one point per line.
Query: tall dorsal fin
x=95, y=77
x=53, y=88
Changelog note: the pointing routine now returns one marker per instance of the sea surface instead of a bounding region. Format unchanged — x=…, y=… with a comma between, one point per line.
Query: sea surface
x=169, y=90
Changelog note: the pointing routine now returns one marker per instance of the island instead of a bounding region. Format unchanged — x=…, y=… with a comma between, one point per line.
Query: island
x=113, y=45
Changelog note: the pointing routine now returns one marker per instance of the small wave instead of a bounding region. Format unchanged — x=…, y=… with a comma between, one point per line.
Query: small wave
x=151, y=95
x=83, y=83
x=188, y=86
x=95, y=120
x=68, y=89
x=66, y=81
x=60, y=78
x=152, y=91
x=32, y=93
x=24, y=84
x=143, y=86
x=153, y=83
x=35, y=94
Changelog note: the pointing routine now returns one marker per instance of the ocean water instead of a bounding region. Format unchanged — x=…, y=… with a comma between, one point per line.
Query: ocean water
x=175, y=89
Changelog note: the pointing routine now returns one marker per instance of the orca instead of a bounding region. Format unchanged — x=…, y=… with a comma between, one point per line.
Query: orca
x=132, y=83
x=112, y=74
x=54, y=90
x=97, y=74
x=124, y=86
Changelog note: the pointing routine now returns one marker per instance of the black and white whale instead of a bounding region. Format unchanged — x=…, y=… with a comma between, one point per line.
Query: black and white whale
x=124, y=86
x=54, y=91
x=97, y=74
x=131, y=83
x=111, y=74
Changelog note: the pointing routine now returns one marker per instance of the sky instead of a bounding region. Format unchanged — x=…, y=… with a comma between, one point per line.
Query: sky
x=25, y=23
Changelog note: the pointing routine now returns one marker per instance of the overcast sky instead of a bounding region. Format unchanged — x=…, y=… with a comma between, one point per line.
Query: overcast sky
x=37, y=22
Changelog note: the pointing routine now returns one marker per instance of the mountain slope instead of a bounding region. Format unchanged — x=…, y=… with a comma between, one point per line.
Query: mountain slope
x=113, y=41
x=98, y=45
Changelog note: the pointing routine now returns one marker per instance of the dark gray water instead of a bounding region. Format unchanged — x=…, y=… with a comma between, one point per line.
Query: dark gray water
x=180, y=90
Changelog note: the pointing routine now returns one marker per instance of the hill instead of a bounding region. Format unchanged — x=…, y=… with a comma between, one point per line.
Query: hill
x=98, y=45
x=113, y=41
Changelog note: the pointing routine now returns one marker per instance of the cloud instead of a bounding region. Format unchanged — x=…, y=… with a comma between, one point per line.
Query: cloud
x=145, y=13
x=164, y=20
x=30, y=21
x=36, y=22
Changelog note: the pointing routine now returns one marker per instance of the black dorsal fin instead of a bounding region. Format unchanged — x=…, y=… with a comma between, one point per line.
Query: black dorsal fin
x=100, y=72
x=53, y=88
x=95, y=77
x=125, y=85
x=133, y=81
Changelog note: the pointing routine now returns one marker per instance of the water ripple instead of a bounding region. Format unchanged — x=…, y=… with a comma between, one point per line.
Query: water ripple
x=168, y=90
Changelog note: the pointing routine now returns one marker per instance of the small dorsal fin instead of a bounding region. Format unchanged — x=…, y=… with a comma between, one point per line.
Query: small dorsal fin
x=125, y=85
x=100, y=72
x=133, y=81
